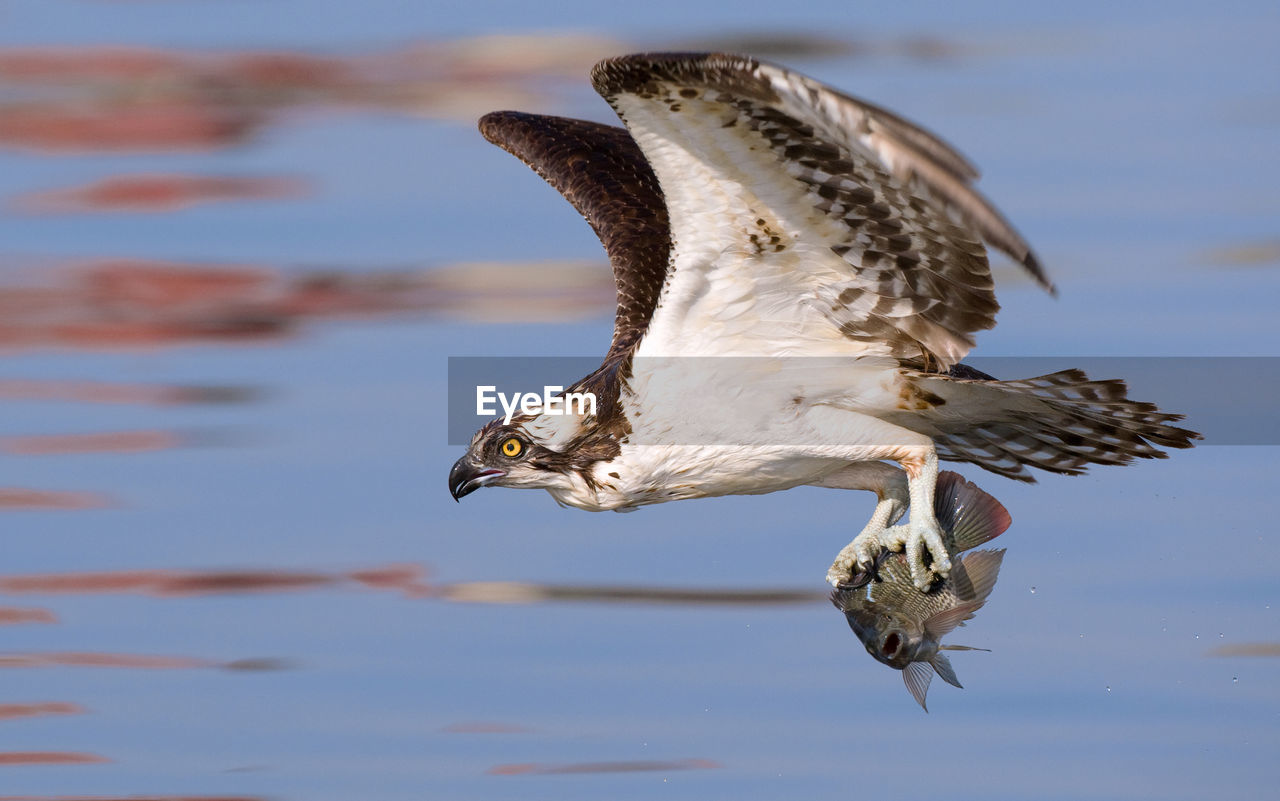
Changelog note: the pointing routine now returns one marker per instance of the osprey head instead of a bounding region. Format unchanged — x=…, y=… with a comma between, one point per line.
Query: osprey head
x=531, y=452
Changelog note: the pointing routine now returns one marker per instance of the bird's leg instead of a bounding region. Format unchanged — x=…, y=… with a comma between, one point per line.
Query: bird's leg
x=863, y=551
x=923, y=530
x=919, y=462
x=890, y=486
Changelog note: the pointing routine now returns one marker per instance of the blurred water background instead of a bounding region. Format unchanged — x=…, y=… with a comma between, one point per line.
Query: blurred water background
x=239, y=242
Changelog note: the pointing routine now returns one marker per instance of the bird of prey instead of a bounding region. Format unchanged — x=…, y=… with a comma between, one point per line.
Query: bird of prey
x=799, y=274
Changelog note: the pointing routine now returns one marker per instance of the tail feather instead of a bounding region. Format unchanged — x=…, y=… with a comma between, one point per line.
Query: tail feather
x=1061, y=423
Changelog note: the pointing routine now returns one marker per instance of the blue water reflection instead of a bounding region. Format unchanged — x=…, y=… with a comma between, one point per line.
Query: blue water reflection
x=330, y=642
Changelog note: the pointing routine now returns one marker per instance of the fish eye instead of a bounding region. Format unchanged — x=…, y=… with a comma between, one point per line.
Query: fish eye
x=512, y=447
x=892, y=642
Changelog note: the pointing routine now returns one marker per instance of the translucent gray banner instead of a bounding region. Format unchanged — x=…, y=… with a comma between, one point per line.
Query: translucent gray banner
x=1228, y=400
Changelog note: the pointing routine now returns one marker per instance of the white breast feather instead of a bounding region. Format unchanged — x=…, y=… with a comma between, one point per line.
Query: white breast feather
x=706, y=426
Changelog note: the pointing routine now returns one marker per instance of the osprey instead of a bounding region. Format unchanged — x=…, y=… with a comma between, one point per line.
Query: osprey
x=799, y=274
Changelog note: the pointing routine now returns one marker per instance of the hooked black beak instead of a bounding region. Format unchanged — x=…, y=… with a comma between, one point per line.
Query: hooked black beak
x=466, y=477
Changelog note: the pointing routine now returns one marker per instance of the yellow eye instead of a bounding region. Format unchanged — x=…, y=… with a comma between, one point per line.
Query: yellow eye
x=512, y=447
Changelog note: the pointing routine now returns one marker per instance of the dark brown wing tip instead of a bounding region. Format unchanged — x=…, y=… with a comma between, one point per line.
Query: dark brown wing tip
x=495, y=125
x=1033, y=266
x=639, y=73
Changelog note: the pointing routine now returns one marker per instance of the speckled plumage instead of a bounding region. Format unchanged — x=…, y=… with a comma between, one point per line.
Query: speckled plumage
x=799, y=275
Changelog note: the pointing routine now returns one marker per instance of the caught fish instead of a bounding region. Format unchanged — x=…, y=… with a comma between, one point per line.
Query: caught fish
x=903, y=627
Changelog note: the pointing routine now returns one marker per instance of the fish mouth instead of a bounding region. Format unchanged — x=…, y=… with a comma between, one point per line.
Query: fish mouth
x=465, y=478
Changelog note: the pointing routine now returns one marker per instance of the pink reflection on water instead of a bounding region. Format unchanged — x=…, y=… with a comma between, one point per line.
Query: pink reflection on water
x=130, y=798
x=520, y=592
x=151, y=193
x=142, y=303
x=111, y=98
x=154, y=127
x=106, y=392
x=102, y=660
x=113, y=442
x=10, y=615
x=1248, y=649
x=21, y=498
x=233, y=582
x=1256, y=253
x=57, y=64
x=408, y=579
x=49, y=758
x=13, y=711
x=135, y=99
x=125, y=285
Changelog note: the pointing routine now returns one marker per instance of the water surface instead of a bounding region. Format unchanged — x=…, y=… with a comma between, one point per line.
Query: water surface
x=236, y=255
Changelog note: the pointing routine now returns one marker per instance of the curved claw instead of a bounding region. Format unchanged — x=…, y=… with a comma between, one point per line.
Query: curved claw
x=866, y=573
x=921, y=537
x=858, y=562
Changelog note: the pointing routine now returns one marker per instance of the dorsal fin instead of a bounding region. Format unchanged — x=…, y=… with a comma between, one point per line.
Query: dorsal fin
x=601, y=171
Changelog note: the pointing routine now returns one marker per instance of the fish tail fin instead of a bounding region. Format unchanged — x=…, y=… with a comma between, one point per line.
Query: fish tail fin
x=971, y=515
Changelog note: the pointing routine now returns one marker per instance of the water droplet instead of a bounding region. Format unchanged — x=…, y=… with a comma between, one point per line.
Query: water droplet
x=1197, y=636
x=1219, y=635
x=1235, y=679
x=1108, y=688
x=1033, y=590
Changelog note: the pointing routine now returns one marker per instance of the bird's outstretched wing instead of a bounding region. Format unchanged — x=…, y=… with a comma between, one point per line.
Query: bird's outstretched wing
x=601, y=171
x=804, y=218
